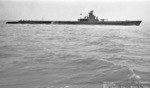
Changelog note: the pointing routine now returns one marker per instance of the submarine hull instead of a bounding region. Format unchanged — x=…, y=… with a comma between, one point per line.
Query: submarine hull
x=136, y=23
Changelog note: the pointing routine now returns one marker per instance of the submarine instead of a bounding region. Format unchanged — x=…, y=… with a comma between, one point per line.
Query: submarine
x=91, y=19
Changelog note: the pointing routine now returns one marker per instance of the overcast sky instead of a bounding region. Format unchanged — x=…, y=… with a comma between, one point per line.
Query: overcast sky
x=71, y=9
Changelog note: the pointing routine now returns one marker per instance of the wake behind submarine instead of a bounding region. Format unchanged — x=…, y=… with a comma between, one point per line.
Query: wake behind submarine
x=91, y=19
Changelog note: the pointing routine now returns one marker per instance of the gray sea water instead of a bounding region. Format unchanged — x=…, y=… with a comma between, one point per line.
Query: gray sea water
x=72, y=56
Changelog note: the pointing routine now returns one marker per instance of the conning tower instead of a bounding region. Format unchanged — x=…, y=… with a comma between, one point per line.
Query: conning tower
x=90, y=18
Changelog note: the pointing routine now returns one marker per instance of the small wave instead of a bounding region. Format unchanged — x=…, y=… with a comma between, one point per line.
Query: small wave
x=90, y=62
x=6, y=55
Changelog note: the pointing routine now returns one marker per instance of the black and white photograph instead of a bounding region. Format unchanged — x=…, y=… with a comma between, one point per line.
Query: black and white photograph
x=74, y=43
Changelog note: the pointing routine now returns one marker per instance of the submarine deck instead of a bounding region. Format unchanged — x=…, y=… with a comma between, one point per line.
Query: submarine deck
x=79, y=22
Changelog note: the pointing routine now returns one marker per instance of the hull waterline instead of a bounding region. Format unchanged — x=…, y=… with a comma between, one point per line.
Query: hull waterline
x=136, y=23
